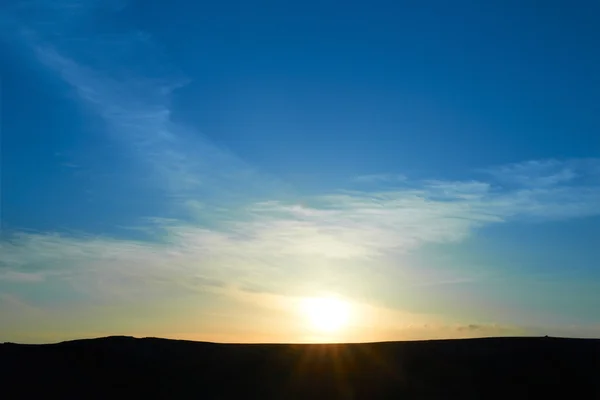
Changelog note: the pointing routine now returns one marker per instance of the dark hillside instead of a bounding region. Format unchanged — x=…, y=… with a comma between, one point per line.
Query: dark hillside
x=129, y=368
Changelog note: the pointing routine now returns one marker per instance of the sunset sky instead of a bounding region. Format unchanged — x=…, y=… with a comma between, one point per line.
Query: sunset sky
x=214, y=170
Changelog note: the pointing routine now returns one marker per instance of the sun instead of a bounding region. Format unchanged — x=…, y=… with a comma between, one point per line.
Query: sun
x=326, y=314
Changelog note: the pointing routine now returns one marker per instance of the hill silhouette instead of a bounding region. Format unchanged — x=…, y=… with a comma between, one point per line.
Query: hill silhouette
x=126, y=367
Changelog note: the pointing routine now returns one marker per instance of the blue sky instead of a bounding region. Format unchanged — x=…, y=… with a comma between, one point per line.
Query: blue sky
x=438, y=164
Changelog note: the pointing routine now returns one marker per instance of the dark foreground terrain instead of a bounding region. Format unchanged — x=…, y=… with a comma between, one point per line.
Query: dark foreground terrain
x=129, y=368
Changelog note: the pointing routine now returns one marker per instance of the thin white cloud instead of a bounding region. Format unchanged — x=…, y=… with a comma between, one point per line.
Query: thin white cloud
x=142, y=126
x=278, y=242
x=138, y=114
x=136, y=104
x=545, y=173
x=21, y=277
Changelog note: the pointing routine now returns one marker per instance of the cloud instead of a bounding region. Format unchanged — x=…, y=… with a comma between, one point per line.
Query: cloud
x=545, y=173
x=124, y=79
x=274, y=244
x=138, y=117
x=21, y=277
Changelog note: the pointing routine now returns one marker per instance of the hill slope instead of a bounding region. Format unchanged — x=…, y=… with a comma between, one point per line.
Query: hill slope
x=124, y=367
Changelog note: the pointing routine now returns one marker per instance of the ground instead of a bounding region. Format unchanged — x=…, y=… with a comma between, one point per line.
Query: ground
x=125, y=367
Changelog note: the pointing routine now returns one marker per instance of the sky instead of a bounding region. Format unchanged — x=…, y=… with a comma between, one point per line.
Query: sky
x=201, y=170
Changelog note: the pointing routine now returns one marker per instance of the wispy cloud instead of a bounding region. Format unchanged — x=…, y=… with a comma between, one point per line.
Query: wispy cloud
x=545, y=173
x=124, y=79
x=16, y=276
x=138, y=117
x=266, y=241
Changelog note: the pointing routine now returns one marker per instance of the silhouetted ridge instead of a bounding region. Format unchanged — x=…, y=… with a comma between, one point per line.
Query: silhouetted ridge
x=126, y=367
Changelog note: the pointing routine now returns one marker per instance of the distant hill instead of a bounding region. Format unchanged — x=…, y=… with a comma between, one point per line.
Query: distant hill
x=129, y=368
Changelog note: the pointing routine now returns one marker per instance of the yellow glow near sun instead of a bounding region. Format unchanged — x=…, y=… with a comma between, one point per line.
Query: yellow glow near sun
x=326, y=314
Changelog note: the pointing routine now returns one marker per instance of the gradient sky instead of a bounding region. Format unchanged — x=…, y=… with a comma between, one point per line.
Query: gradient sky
x=195, y=169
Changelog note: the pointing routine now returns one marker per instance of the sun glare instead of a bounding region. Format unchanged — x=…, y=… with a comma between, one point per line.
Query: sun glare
x=326, y=314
